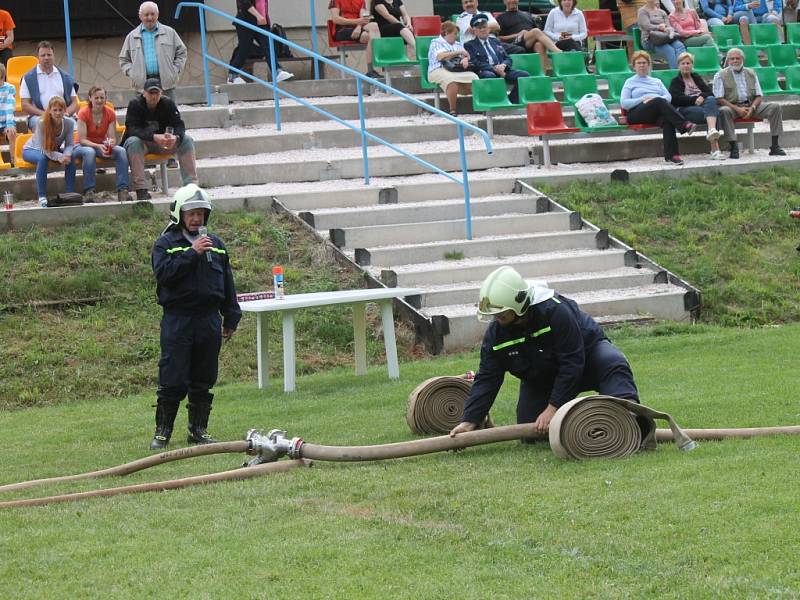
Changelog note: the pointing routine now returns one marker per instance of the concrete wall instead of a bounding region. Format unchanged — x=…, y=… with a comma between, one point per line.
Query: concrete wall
x=96, y=62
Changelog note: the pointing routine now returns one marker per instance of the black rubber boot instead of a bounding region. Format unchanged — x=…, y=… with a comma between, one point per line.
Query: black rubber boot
x=198, y=422
x=165, y=419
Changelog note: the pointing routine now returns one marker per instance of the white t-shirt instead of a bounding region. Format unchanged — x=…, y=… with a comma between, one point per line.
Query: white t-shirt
x=463, y=25
x=49, y=86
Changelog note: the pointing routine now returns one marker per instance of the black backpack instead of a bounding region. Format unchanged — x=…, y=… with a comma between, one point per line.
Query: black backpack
x=281, y=50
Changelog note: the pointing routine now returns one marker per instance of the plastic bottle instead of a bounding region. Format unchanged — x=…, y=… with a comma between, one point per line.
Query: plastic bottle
x=277, y=281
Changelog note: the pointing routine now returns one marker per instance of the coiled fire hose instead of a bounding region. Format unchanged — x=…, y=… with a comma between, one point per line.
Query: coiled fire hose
x=436, y=404
x=593, y=426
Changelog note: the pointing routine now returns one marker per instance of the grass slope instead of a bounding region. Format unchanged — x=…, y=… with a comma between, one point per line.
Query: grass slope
x=500, y=521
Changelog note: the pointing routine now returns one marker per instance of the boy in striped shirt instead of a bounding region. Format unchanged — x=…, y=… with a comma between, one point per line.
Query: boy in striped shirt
x=8, y=103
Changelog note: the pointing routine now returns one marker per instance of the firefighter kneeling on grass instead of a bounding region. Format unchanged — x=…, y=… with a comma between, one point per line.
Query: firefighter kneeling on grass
x=194, y=283
x=546, y=341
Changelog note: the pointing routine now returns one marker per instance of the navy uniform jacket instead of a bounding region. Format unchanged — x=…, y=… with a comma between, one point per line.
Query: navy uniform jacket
x=479, y=59
x=550, y=347
x=187, y=284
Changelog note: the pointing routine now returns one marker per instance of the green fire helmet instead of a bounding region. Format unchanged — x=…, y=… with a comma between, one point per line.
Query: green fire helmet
x=186, y=198
x=505, y=289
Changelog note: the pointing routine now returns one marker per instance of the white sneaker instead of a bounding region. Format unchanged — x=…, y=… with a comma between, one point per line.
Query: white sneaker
x=713, y=135
x=718, y=155
x=406, y=73
x=236, y=80
x=42, y=202
x=283, y=75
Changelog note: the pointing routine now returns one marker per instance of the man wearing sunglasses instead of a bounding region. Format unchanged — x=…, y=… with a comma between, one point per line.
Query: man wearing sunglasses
x=553, y=348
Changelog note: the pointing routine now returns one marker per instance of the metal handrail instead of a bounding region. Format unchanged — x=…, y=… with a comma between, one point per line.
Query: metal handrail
x=360, y=79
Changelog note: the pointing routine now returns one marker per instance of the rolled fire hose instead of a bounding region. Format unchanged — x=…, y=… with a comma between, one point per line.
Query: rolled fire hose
x=436, y=404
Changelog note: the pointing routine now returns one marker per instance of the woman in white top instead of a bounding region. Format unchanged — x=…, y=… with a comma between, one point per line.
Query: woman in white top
x=566, y=26
x=452, y=82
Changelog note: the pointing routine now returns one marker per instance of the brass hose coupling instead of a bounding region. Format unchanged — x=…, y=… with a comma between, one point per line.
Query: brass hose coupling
x=272, y=446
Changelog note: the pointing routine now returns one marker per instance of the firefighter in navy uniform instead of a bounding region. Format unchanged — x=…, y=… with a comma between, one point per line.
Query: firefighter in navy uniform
x=543, y=339
x=194, y=283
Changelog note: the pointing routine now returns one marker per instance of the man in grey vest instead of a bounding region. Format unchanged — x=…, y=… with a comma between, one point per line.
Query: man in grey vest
x=739, y=97
x=43, y=82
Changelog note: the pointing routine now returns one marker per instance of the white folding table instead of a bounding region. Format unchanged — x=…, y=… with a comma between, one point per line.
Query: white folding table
x=289, y=304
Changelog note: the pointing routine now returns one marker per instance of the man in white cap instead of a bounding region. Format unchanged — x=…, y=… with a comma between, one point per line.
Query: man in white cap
x=549, y=344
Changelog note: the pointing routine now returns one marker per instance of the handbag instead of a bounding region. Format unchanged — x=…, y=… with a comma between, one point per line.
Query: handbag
x=453, y=64
x=65, y=199
x=658, y=38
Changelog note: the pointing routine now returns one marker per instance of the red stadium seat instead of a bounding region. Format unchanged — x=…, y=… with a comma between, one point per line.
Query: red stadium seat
x=341, y=46
x=600, y=26
x=426, y=25
x=546, y=119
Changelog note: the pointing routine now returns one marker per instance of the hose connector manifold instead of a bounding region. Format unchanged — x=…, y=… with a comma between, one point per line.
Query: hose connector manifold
x=272, y=446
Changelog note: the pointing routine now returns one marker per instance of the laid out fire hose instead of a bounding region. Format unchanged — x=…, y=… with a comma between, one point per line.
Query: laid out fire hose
x=588, y=427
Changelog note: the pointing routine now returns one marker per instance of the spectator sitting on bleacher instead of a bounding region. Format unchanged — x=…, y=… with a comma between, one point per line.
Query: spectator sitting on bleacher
x=566, y=26
x=153, y=49
x=97, y=137
x=8, y=104
x=466, y=33
x=689, y=27
x=146, y=122
x=716, y=12
x=452, y=82
x=53, y=141
x=738, y=93
x=657, y=34
x=647, y=101
x=393, y=20
x=488, y=59
x=696, y=102
x=6, y=36
x=353, y=23
x=742, y=11
x=248, y=10
x=770, y=11
x=44, y=82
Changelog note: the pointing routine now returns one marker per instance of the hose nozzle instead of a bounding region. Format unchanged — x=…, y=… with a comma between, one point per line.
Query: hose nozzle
x=272, y=446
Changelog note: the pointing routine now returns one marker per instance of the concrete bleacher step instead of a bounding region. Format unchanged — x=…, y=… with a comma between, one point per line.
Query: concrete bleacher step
x=659, y=301
x=441, y=235
x=414, y=212
x=478, y=268
x=505, y=245
x=569, y=284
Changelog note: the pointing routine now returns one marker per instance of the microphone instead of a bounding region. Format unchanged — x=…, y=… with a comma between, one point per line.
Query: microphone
x=201, y=231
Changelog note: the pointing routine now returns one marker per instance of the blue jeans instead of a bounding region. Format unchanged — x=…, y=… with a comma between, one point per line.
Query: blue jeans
x=670, y=51
x=698, y=114
x=751, y=18
x=39, y=158
x=88, y=156
x=715, y=21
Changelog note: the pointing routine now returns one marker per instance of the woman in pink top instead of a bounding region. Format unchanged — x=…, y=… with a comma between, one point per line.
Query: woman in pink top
x=97, y=136
x=689, y=27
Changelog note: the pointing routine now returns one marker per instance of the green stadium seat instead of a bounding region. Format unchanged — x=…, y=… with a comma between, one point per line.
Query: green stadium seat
x=535, y=89
x=577, y=86
x=607, y=62
x=581, y=123
x=792, y=79
x=568, y=63
x=768, y=79
x=489, y=95
x=427, y=85
x=390, y=53
x=527, y=62
x=636, y=32
x=726, y=36
x=764, y=34
x=706, y=59
x=615, y=82
x=793, y=34
x=665, y=75
x=423, y=45
x=782, y=56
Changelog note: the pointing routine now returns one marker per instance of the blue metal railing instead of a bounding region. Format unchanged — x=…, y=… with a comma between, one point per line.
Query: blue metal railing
x=366, y=136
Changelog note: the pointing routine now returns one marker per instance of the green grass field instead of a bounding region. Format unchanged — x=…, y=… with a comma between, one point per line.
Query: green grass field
x=500, y=521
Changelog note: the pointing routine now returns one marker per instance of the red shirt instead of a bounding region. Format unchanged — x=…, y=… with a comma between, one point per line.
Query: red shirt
x=348, y=9
x=6, y=23
x=94, y=133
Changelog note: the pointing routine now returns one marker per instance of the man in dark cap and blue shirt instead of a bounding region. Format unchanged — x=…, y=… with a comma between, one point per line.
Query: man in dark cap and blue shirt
x=488, y=58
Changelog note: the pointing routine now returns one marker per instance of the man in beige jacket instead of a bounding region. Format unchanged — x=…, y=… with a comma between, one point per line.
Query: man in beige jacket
x=153, y=50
